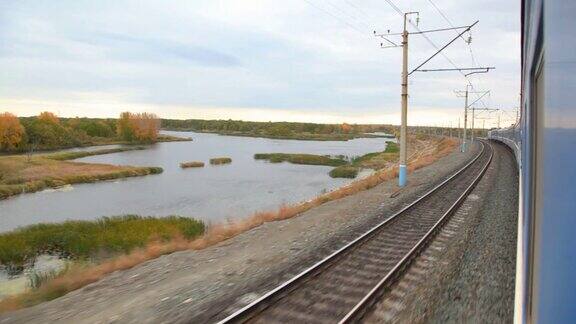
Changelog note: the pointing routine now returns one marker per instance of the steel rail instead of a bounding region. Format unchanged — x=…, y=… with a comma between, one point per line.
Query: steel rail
x=257, y=306
x=359, y=310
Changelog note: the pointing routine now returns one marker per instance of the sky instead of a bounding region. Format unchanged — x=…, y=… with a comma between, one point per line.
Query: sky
x=262, y=60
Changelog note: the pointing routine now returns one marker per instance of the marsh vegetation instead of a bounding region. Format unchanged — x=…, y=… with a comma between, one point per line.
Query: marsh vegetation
x=307, y=159
x=194, y=164
x=89, y=239
x=22, y=174
x=220, y=160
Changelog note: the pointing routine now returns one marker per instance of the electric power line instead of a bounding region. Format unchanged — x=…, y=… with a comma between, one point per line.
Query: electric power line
x=337, y=18
x=400, y=12
x=450, y=23
x=343, y=12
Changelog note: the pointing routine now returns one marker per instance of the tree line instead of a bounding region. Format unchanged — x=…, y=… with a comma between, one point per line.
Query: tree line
x=47, y=131
x=268, y=128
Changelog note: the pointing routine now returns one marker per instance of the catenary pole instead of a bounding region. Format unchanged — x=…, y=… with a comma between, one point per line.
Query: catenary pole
x=404, y=113
x=465, y=119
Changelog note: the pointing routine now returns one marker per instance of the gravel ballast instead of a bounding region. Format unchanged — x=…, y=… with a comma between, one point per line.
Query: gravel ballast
x=467, y=273
x=206, y=285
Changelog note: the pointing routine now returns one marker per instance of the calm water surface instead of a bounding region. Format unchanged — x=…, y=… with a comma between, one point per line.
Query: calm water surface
x=212, y=193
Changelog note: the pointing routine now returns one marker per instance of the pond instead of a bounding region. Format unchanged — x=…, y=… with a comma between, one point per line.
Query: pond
x=211, y=194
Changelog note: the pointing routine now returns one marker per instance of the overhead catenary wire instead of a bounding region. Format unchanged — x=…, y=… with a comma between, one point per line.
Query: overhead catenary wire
x=436, y=47
x=343, y=21
x=450, y=23
x=343, y=12
x=401, y=13
x=445, y=17
x=372, y=21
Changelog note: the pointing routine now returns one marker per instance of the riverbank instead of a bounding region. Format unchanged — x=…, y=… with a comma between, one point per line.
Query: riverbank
x=424, y=153
x=162, y=138
x=22, y=174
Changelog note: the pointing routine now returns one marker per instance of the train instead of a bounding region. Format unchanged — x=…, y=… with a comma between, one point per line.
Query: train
x=544, y=142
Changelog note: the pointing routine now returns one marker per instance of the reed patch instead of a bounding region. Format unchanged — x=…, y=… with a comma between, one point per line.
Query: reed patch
x=220, y=160
x=193, y=164
x=308, y=159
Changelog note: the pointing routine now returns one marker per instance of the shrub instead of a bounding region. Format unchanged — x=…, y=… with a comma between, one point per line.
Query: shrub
x=344, y=171
x=392, y=147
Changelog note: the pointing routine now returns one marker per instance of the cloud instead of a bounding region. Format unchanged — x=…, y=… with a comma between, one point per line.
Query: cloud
x=250, y=55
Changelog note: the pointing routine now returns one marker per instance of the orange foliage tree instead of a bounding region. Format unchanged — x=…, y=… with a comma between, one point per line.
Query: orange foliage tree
x=345, y=128
x=11, y=131
x=49, y=117
x=141, y=127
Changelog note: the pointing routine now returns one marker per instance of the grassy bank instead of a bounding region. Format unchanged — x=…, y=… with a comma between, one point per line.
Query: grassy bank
x=308, y=159
x=378, y=160
x=374, y=161
x=63, y=156
x=87, y=239
x=220, y=160
x=195, y=164
x=81, y=276
x=118, y=242
x=20, y=175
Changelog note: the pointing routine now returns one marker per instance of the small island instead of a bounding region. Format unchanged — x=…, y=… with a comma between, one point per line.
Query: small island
x=193, y=164
x=308, y=159
x=343, y=168
x=220, y=160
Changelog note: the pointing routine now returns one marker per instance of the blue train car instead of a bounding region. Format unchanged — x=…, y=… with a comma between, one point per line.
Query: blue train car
x=544, y=141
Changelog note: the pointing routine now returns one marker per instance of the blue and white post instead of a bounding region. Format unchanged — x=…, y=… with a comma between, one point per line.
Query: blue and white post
x=402, y=174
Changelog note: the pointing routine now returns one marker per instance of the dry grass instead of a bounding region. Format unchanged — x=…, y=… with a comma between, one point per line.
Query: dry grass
x=81, y=276
x=194, y=164
x=18, y=175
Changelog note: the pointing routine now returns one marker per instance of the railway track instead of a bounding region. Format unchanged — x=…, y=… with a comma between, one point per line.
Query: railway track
x=345, y=285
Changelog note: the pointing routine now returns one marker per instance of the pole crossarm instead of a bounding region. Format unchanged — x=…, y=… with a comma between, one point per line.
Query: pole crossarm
x=444, y=47
x=389, y=41
x=459, y=69
x=421, y=31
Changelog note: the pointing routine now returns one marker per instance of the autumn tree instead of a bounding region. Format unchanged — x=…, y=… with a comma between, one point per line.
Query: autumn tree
x=49, y=117
x=11, y=131
x=140, y=127
x=346, y=128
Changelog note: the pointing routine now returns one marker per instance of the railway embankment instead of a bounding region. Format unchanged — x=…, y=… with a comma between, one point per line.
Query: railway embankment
x=209, y=284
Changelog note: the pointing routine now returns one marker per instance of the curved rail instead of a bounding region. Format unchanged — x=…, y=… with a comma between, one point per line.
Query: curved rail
x=261, y=304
